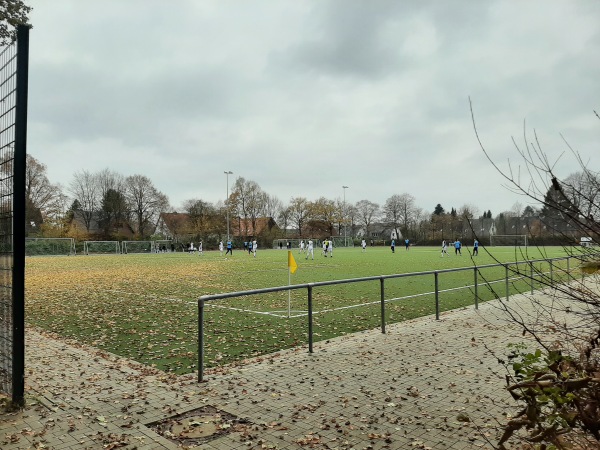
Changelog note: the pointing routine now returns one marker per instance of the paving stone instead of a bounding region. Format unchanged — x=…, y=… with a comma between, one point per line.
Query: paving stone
x=357, y=391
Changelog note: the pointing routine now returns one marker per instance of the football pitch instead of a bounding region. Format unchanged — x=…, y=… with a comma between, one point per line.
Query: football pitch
x=144, y=306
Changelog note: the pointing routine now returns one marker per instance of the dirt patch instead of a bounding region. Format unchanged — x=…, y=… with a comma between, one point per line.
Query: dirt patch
x=198, y=426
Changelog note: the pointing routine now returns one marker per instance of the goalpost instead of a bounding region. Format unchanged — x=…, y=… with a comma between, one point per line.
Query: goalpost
x=101, y=247
x=49, y=246
x=137, y=247
x=511, y=240
x=341, y=241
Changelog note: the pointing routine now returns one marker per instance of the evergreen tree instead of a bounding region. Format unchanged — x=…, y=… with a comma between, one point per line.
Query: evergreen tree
x=113, y=211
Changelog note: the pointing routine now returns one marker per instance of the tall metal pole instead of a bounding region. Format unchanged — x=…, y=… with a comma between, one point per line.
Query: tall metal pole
x=19, y=175
x=227, y=173
x=344, y=215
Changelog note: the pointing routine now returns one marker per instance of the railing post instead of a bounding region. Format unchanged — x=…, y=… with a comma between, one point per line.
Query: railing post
x=200, y=340
x=531, y=275
x=437, y=297
x=475, y=283
x=569, y=266
x=381, y=283
x=310, y=319
x=507, y=286
x=551, y=272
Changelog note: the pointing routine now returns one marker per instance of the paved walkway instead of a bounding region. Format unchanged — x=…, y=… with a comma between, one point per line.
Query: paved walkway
x=426, y=384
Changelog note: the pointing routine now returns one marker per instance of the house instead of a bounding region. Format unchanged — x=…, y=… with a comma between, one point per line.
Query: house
x=173, y=225
x=379, y=231
x=587, y=241
x=245, y=227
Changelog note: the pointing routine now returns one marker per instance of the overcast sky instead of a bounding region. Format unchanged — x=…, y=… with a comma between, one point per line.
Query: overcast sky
x=305, y=97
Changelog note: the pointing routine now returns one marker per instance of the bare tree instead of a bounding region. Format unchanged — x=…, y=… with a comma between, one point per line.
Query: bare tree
x=108, y=179
x=367, y=214
x=468, y=211
x=238, y=198
x=114, y=210
x=558, y=383
x=43, y=198
x=517, y=209
x=247, y=200
x=399, y=212
x=84, y=189
x=284, y=218
x=255, y=204
x=352, y=218
x=146, y=203
x=583, y=190
x=272, y=205
x=298, y=212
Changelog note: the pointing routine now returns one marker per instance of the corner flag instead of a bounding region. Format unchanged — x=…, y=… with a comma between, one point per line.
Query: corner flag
x=292, y=262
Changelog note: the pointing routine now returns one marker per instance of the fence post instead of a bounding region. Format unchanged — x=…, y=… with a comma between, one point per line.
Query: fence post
x=437, y=297
x=507, y=286
x=18, y=209
x=310, y=321
x=551, y=272
x=531, y=274
x=381, y=283
x=200, y=340
x=569, y=266
x=476, y=296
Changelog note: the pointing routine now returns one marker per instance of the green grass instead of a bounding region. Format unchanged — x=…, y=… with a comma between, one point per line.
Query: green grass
x=144, y=306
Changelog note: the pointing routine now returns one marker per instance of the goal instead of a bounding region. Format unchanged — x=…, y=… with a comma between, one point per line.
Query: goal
x=49, y=246
x=101, y=247
x=162, y=245
x=137, y=247
x=294, y=243
x=341, y=241
x=510, y=240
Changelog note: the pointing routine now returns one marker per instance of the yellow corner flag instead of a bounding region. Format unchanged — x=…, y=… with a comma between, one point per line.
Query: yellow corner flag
x=292, y=262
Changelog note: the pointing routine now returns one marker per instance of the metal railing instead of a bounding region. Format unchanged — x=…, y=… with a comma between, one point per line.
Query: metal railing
x=510, y=268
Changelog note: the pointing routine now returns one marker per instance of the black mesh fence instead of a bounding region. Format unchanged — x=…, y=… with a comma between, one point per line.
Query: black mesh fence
x=13, y=130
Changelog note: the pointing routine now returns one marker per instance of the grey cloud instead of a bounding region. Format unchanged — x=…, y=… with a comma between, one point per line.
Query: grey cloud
x=304, y=97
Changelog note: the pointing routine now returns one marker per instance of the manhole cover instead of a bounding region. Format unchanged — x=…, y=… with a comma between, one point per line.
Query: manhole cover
x=198, y=426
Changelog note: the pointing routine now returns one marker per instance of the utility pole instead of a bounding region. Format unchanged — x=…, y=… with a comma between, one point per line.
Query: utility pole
x=227, y=173
x=344, y=215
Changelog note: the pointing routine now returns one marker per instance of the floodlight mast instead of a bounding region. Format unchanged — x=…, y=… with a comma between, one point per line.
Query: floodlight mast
x=227, y=173
x=344, y=215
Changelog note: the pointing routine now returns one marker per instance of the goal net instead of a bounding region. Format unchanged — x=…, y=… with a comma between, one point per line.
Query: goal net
x=294, y=243
x=341, y=241
x=101, y=247
x=137, y=247
x=510, y=240
x=49, y=246
x=162, y=245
